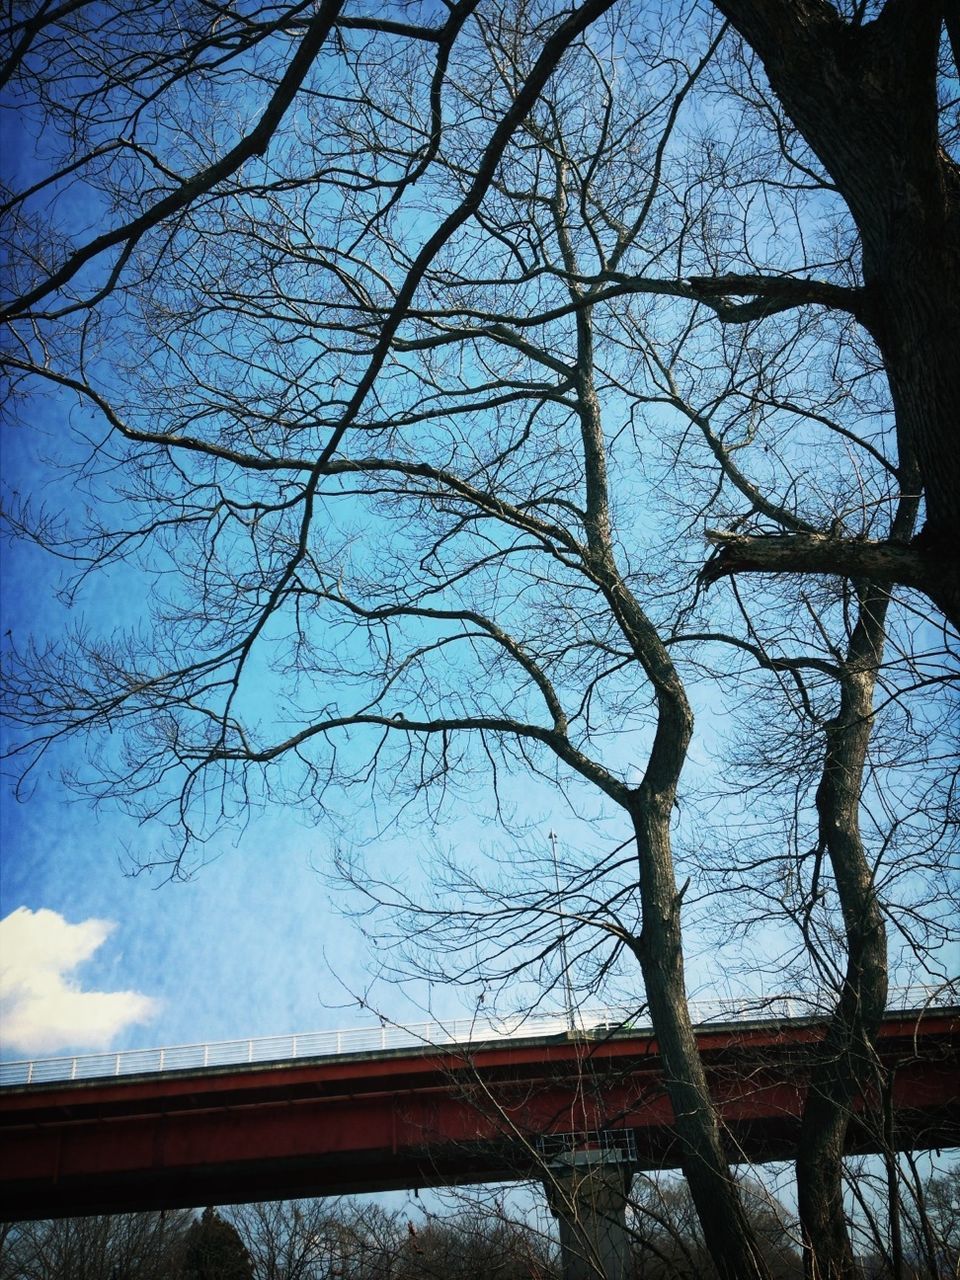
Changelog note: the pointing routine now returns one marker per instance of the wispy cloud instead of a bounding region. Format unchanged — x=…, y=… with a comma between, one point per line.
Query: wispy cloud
x=44, y=1008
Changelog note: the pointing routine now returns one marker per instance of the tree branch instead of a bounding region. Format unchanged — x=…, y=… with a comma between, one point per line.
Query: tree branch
x=255, y=143
x=771, y=294
x=881, y=562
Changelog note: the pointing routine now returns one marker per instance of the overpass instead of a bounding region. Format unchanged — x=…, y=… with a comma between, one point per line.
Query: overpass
x=426, y=1115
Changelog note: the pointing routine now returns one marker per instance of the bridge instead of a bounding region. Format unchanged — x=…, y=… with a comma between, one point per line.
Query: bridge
x=182, y=1127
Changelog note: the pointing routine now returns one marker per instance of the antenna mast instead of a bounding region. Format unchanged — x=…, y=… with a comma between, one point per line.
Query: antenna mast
x=564, y=958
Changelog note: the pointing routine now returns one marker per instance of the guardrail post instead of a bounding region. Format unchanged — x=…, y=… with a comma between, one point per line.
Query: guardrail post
x=30, y=1072
x=116, y=1065
x=73, y=1069
x=206, y=1055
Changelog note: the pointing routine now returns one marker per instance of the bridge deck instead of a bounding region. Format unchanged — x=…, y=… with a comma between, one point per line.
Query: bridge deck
x=431, y=1116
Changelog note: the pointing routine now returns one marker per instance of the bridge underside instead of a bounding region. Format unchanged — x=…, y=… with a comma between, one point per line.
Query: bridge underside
x=432, y=1117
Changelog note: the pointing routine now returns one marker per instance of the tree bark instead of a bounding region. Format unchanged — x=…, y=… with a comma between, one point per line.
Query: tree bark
x=847, y=1063
x=889, y=562
x=727, y=1233
x=865, y=99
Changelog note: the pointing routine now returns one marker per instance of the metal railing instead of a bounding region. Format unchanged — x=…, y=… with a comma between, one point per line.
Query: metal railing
x=387, y=1035
x=587, y=1146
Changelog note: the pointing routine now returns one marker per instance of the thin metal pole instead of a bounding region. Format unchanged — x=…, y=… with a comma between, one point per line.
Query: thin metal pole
x=564, y=958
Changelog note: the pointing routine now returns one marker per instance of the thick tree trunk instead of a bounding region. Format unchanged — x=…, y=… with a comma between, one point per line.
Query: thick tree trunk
x=847, y=1064
x=727, y=1233
x=864, y=96
x=865, y=100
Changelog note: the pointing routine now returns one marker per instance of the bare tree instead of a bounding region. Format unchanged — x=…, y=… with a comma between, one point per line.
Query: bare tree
x=668, y=1242
x=433, y=367
x=137, y=1246
x=925, y=1206
x=869, y=113
x=291, y=1240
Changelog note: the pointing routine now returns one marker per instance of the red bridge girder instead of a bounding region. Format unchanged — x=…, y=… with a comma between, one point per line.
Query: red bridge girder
x=427, y=1117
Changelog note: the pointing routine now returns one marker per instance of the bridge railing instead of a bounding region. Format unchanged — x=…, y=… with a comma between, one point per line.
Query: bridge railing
x=387, y=1035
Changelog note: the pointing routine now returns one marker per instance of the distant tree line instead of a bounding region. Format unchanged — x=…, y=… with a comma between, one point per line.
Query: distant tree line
x=342, y=1240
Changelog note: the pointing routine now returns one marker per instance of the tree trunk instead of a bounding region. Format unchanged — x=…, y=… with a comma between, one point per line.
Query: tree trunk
x=864, y=96
x=727, y=1233
x=865, y=99
x=847, y=1063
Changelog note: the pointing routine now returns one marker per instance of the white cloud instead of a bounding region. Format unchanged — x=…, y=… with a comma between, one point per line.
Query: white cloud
x=44, y=1009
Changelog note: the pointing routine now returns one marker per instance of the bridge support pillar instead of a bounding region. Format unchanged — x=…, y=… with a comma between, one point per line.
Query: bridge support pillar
x=587, y=1193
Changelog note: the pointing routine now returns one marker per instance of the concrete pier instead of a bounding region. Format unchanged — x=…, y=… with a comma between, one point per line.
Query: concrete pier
x=587, y=1192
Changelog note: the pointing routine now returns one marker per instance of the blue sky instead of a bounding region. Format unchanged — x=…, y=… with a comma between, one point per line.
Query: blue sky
x=93, y=956
x=238, y=950
x=255, y=942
